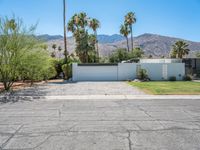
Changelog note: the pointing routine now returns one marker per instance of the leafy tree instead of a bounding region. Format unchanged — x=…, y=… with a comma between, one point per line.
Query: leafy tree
x=37, y=65
x=137, y=53
x=125, y=31
x=95, y=24
x=118, y=56
x=67, y=67
x=122, y=55
x=57, y=63
x=20, y=53
x=130, y=19
x=179, y=49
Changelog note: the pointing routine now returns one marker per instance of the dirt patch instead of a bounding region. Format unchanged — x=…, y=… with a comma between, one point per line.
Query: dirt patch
x=20, y=85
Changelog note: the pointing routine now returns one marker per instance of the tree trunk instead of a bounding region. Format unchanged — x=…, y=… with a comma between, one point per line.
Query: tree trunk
x=7, y=85
x=131, y=36
x=31, y=82
x=127, y=44
x=97, y=47
x=65, y=34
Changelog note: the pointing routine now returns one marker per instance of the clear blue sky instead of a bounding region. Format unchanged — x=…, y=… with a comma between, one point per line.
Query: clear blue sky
x=178, y=18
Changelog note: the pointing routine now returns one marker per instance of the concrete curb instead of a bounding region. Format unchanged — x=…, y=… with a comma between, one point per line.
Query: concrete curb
x=106, y=97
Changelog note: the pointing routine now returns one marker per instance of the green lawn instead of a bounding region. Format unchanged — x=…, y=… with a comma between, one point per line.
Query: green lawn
x=169, y=88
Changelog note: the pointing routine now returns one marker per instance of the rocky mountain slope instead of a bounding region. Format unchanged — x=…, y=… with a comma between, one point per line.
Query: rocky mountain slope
x=156, y=45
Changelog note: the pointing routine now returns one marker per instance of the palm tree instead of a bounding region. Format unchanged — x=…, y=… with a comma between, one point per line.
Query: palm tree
x=54, y=46
x=65, y=34
x=95, y=24
x=59, y=49
x=180, y=49
x=82, y=20
x=130, y=19
x=124, y=30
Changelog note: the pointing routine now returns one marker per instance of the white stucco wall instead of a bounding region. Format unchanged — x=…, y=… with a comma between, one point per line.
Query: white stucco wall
x=164, y=60
x=126, y=71
x=154, y=70
x=177, y=70
x=95, y=73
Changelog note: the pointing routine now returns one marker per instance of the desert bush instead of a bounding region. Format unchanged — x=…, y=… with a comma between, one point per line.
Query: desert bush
x=187, y=78
x=142, y=74
x=21, y=54
x=122, y=55
x=172, y=78
x=57, y=63
x=67, y=69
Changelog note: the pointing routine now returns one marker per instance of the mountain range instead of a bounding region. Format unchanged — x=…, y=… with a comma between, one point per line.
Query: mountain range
x=152, y=44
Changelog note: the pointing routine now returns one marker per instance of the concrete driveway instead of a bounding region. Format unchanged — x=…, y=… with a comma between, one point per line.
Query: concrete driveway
x=82, y=88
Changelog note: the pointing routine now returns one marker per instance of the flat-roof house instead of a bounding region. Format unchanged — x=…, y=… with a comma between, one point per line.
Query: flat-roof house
x=157, y=69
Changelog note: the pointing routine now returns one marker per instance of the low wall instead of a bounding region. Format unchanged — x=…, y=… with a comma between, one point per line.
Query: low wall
x=126, y=71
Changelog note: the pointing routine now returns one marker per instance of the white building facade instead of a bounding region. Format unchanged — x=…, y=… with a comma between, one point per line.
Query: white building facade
x=157, y=70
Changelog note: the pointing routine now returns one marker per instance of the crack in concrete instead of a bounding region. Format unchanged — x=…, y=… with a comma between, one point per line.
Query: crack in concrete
x=42, y=142
x=129, y=140
x=143, y=110
x=6, y=142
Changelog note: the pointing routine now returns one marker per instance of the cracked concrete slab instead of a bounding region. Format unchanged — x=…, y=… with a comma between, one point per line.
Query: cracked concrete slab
x=86, y=141
x=98, y=124
x=172, y=139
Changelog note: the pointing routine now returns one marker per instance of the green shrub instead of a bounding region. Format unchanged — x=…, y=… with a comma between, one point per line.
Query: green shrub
x=142, y=74
x=172, y=78
x=122, y=55
x=67, y=69
x=22, y=55
x=58, y=66
x=187, y=78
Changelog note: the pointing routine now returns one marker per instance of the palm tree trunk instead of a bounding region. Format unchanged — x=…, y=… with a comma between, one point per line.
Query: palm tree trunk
x=127, y=44
x=131, y=36
x=64, y=26
x=65, y=34
x=97, y=47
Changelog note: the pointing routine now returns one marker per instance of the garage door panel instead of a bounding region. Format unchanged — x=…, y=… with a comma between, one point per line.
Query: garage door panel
x=97, y=73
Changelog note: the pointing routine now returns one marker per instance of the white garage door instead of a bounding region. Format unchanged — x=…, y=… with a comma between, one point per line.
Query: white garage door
x=97, y=73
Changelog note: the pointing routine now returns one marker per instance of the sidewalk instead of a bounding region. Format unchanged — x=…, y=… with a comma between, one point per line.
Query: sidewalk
x=106, y=97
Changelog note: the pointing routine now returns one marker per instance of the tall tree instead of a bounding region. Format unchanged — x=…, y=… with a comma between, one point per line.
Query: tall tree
x=60, y=49
x=124, y=30
x=180, y=49
x=79, y=25
x=21, y=54
x=65, y=34
x=82, y=20
x=130, y=19
x=54, y=46
x=95, y=24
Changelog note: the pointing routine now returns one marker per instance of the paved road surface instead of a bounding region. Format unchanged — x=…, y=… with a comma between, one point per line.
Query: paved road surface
x=100, y=125
x=97, y=124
